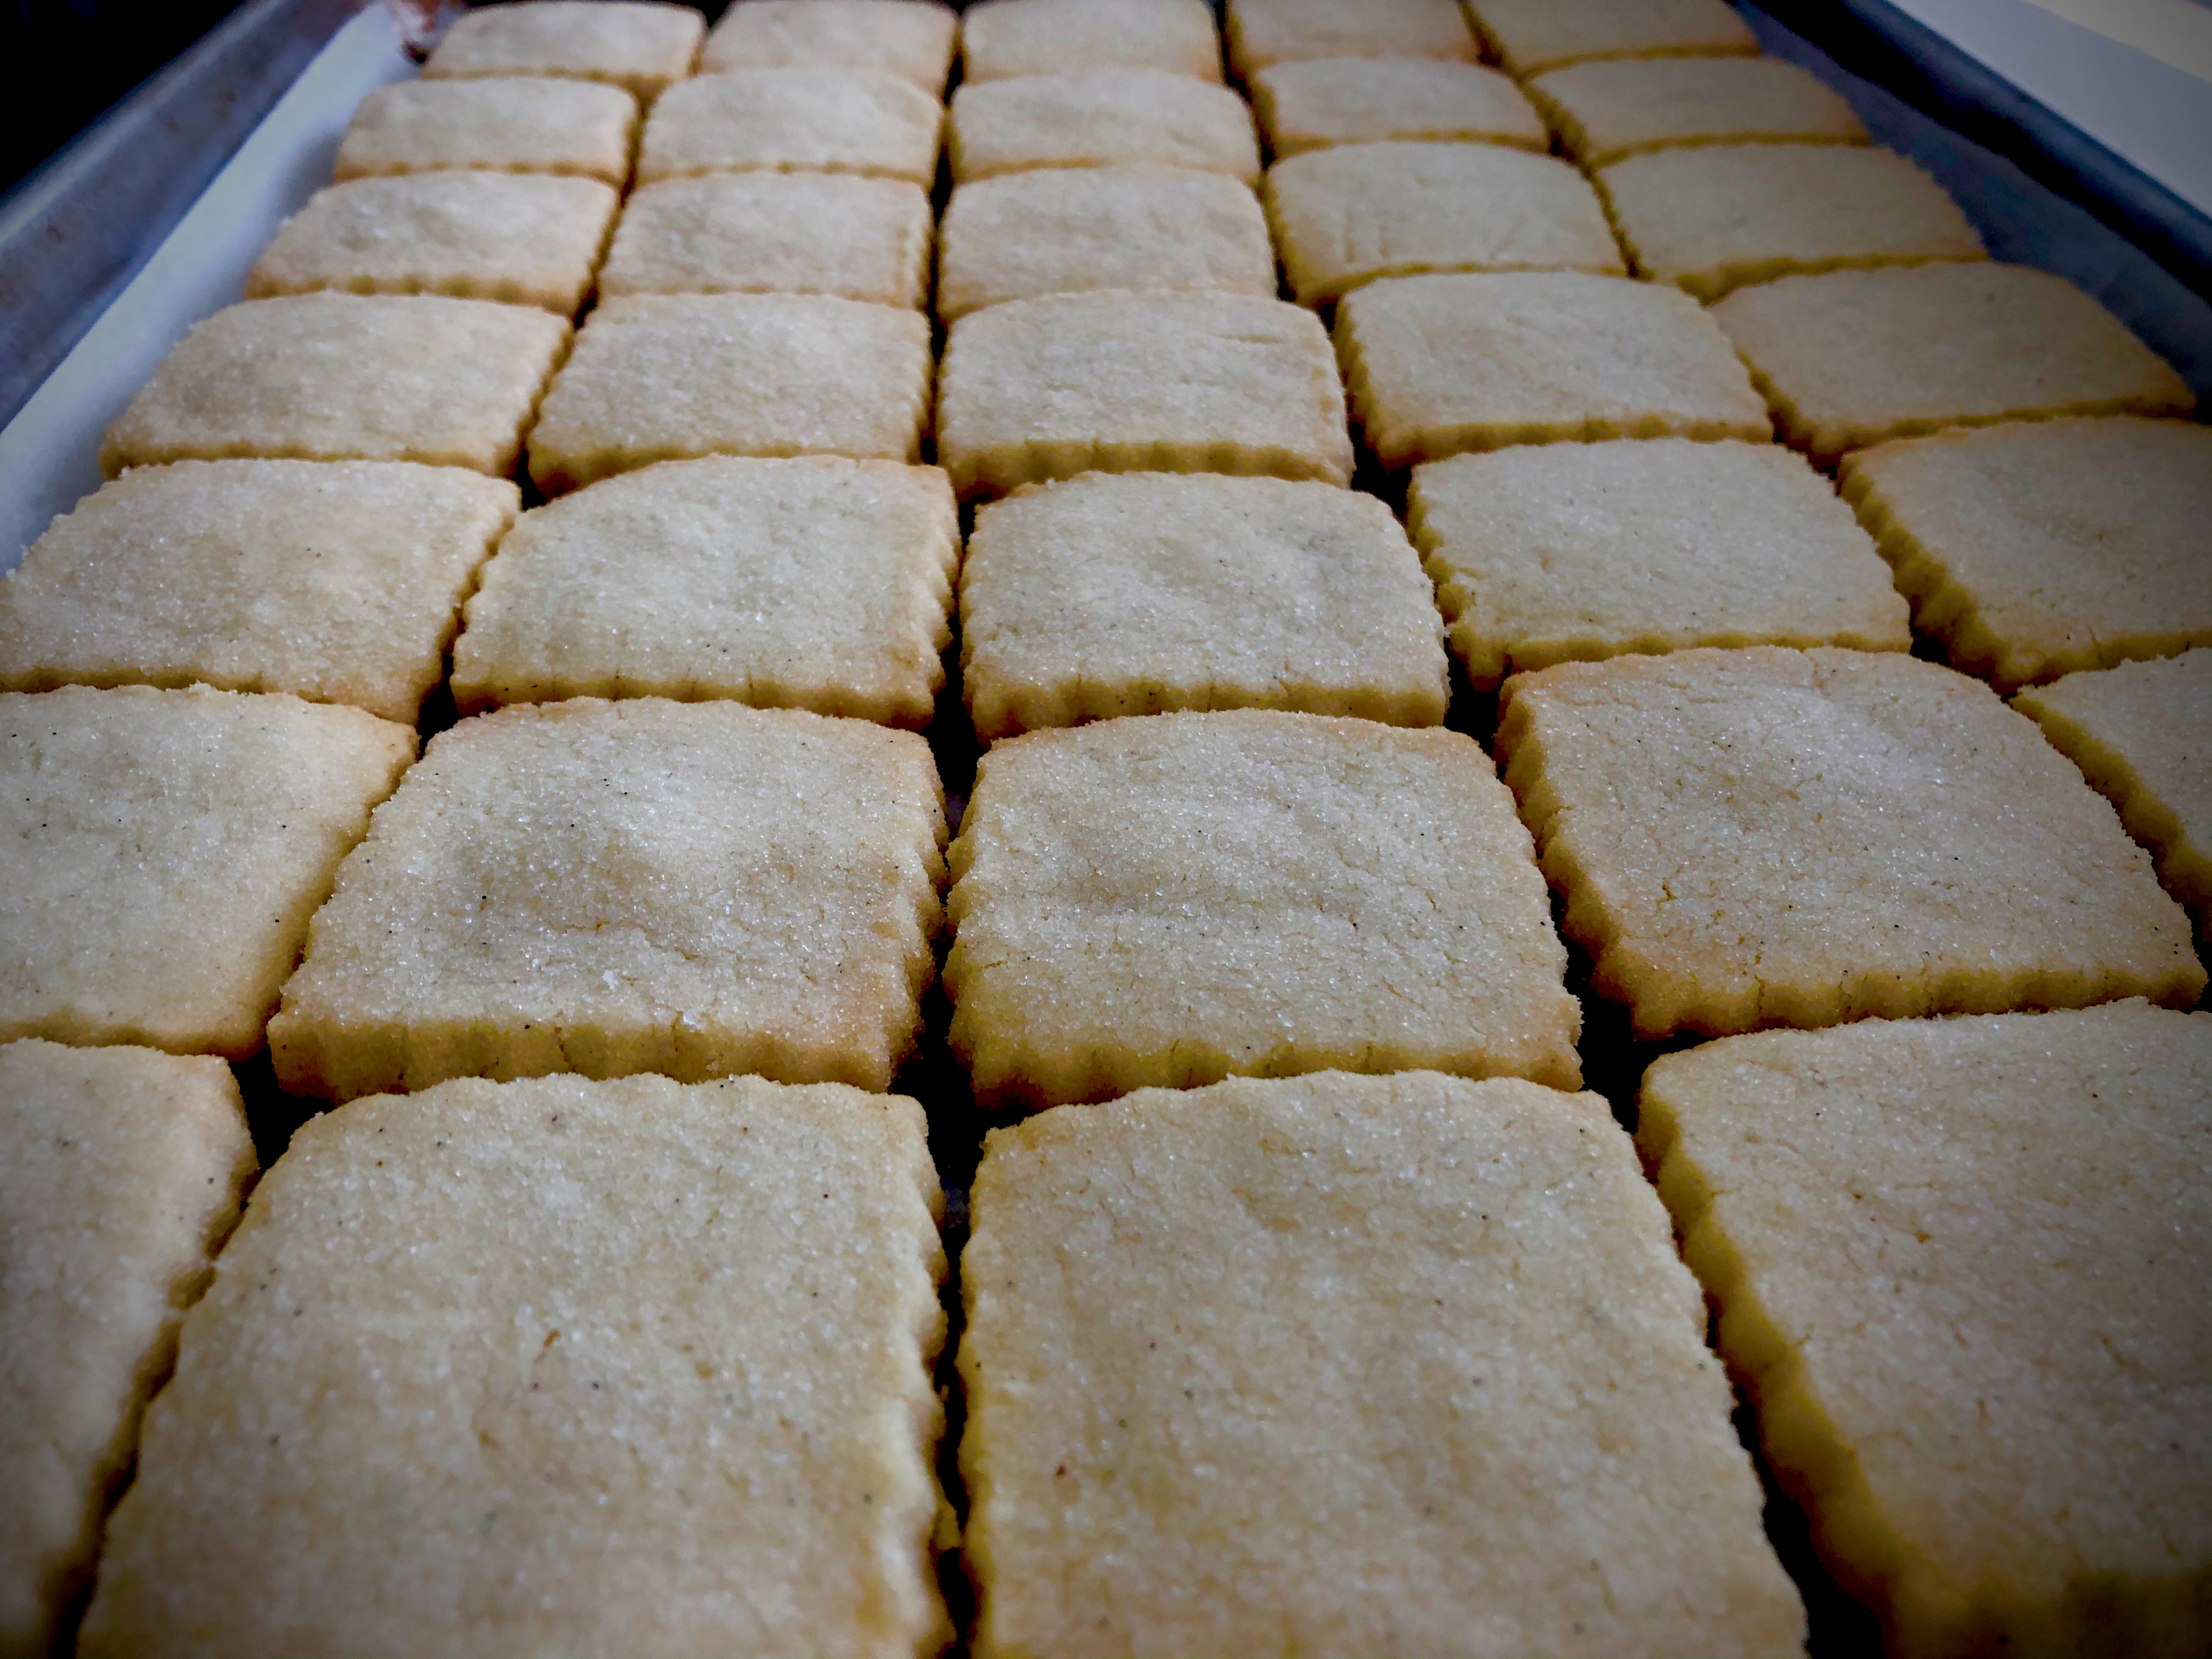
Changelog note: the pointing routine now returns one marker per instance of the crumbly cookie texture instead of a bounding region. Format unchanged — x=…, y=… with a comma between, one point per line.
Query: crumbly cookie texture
x=1615, y=107
x=793, y=120
x=910, y=39
x=121, y=1172
x=1530, y=36
x=1134, y=593
x=556, y=1366
x=166, y=848
x=1002, y=39
x=1322, y=101
x=1099, y=118
x=640, y=45
x=1174, y=900
x=1204, y=1327
x=1553, y=553
x=499, y=126
x=2037, y=549
x=1991, y=1228
x=694, y=888
x=1850, y=358
x=1262, y=33
x=1767, y=836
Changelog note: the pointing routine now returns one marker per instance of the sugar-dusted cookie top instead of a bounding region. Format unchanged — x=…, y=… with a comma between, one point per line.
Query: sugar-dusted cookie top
x=497, y=125
x=1002, y=39
x=1613, y=108
x=912, y=38
x=1262, y=33
x=640, y=45
x=1316, y=102
x=793, y=120
x=1530, y=36
x=1102, y=117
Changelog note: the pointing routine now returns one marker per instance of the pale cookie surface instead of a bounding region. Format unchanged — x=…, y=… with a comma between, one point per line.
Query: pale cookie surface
x=1000, y=40
x=1364, y=101
x=1765, y=836
x=1026, y=234
x=1260, y=33
x=1174, y=900
x=1133, y=593
x=165, y=850
x=695, y=888
x=337, y=377
x=1101, y=119
x=775, y=232
x=555, y=1367
x=498, y=127
x=816, y=583
x=1530, y=36
x=1606, y=110
x=2143, y=734
x=910, y=39
x=1556, y=552
x=638, y=44
x=524, y=239
x=121, y=1171
x=2035, y=548
x=1436, y=365
x=661, y=377
x=793, y=120
x=1323, y=1366
x=1119, y=382
x=338, y=581
x=1995, y=1230
x=1853, y=357
x=1347, y=215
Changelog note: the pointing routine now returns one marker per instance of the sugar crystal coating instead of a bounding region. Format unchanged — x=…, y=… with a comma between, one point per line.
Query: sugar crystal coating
x=640, y=45
x=502, y=126
x=1613, y=108
x=1530, y=36
x=793, y=120
x=1102, y=117
x=911, y=39
x=1000, y=40
x=1321, y=102
x=1262, y=33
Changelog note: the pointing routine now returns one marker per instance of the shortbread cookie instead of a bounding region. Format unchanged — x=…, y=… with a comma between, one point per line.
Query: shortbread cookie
x=1101, y=119
x=1716, y=216
x=1133, y=594
x=337, y=377
x=695, y=888
x=775, y=232
x=793, y=120
x=1119, y=382
x=164, y=851
x=1321, y=102
x=497, y=126
x=1025, y=235
x=1000, y=40
x=658, y=377
x=1206, y=1330
x=2143, y=734
x=121, y=1171
x=555, y=1367
x=1344, y=215
x=910, y=39
x=1178, y=899
x=1995, y=1231
x=1530, y=36
x=1436, y=365
x=2035, y=548
x=1262, y=33
x=528, y=239
x=1772, y=837
x=1556, y=552
x=1617, y=107
x=1853, y=358
x=641, y=45
x=338, y=581
x=817, y=583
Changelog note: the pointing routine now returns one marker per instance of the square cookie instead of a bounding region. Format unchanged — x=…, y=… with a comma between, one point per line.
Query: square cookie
x=1851, y=357
x=527, y=239
x=339, y=581
x=1616, y=108
x=1553, y=553
x=1770, y=837
x=1344, y=215
x=1262, y=33
x=1208, y=1330
x=910, y=39
x=816, y=583
x=2143, y=734
x=695, y=888
x=1025, y=235
x=121, y=1172
x=494, y=126
x=1101, y=119
x=1436, y=365
x=1046, y=388
x=793, y=120
x=339, y=377
x=1994, y=1230
x=2033, y=549
x=640, y=45
x=555, y=1367
x=1136, y=593
x=165, y=850
x=1002, y=39
x=1174, y=900
x=775, y=232
x=660, y=377
x=1322, y=101
x=1530, y=36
